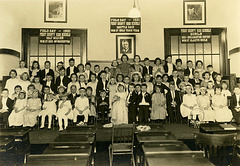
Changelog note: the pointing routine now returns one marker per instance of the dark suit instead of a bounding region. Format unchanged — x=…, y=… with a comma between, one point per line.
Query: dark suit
x=213, y=75
x=233, y=104
x=147, y=71
x=170, y=109
x=102, y=108
x=178, y=81
x=72, y=99
x=187, y=71
x=43, y=74
x=144, y=112
x=132, y=107
x=52, y=86
x=198, y=81
x=191, y=81
x=65, y=81
x=165, y=67
x=75, y=70
x=4, y=116
x=100, y=87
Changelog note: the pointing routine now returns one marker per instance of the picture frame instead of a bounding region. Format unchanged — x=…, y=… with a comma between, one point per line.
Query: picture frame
x=55, y=11
x=194, y=12
x=125, y=44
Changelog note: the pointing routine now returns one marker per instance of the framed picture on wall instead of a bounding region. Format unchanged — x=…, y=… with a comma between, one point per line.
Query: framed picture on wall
x=194, y=12
x=55, y=11
x=125, y=44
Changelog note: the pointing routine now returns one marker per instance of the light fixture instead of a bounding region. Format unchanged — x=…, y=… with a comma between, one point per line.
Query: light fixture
x=135, y=11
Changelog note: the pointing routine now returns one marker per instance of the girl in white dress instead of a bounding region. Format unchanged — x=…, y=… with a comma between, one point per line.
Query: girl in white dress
x=210, y=89
x=119, y=107
x=16, y=117
x=24, y=83
x=93, y=83
x=12, y=82
x=74, y=81
x=34, y=70
x=22, y=69
x=219, y=105
x=149, y=84
x=112, y=88
x=64, y=111
x=189, y=107
x=33, y=109
x=49, y=109
x=203, y=101
x=37, y=84
x=225, y=92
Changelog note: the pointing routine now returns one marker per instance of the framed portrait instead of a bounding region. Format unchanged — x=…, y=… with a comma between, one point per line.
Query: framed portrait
x=55, y=11
x=125, y=44
x=194, y=12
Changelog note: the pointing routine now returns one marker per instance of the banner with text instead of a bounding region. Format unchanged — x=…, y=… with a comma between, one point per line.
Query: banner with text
x=55, y=36
x=125, y=25
x=196, y=35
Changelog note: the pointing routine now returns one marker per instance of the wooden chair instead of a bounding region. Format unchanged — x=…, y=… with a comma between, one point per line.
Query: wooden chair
x=214, y=145
x=122, y=141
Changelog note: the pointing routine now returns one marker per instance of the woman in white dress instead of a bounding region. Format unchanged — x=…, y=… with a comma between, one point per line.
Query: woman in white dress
x=119, y=107
x=219, y=105
x=12, y=82
x=203, y=101
x=189, y=107
x=16, y=117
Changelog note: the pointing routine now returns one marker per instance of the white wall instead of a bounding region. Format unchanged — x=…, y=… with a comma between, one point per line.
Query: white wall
x=9, y=62
x=95, y=15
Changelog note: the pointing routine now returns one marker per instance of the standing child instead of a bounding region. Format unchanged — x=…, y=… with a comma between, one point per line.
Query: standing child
x=119, y=107
x=149, y=84
x=32, y=111
x=6, y=106
x=225, y=92
x=132, y=104
x=93, y=83
x=37, y=84
x=112, y=88
x=219, y=105
x=64, y=111
x=92, y=101
x=16, y=117
x=81, y=107
x=103, y=105
x=158, y=105
x=144, y=104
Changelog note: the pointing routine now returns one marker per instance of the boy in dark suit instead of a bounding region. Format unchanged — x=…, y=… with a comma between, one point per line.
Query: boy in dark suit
x=169, y=66
x=212, y=73
x=6, y=106
x=102, y=83
x=73, y=95
x=46, y=71
x=102, y=104
x=189, y=70
x=196, y=78
x=175, y=79
x=144, y=105
x=235, y=104
x=49, y=82
x=72, y=68
x=132, y=104
x=62, y=79
x=173, y=103
x=147, y=69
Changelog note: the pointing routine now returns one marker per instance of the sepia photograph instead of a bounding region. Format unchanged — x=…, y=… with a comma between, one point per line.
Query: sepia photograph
x=119, y=83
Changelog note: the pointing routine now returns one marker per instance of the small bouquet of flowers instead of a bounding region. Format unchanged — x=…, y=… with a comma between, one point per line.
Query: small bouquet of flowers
x=143, y=128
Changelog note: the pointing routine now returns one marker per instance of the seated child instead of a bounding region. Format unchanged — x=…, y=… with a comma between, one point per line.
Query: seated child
x=32, y=111
x=92, y=101
x=16, y=117
x=219, y=105
x=6, y=106
x=49, y=107
x=81, y=107
x=102, y=105
x=64, y=111
x=17, y=90
x=235, y=104
x=203, y=101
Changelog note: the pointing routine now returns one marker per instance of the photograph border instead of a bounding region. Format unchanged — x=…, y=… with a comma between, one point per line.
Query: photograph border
x=200, y=22
x=118, y=38
x=46, y=20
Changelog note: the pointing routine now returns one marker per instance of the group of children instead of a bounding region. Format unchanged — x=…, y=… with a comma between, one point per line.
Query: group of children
x=128, y=93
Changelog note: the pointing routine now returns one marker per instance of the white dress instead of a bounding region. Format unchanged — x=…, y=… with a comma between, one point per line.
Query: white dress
x=189, y=100
x=20, y=71
x=81, y=103
x=62, y=111
x=226, y=93
x=119, y=109
x=24, y=84
x=11, y=83
x=222, y=114
x=112, y=91
x=30, y=118
x=203, y=102
x=93, y=85
x=50, y=110
x=16, y=119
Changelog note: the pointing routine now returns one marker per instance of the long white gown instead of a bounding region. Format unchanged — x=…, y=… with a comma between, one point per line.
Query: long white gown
x=190, y=100
x=119, y=109
x=16, y=119
x=203, y=102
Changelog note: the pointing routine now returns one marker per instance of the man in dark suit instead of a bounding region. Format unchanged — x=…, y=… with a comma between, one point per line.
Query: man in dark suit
x=102, y=83
x=169, y=66
x=144, y=105
x=147, y=69
x=73, y=95
x=189, y=70
x=174, y=78
x=132, y=104
x=43, y=73
x=173, y=103
x=49, y=82
x=235, y=104
x=212, y=73
x=72, y=68
x=62, y=79
x=6, y=106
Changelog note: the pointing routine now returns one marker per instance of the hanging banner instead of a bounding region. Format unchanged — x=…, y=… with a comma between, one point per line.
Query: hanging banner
x=125, y=25
x=196, y=35
x=55, y=36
